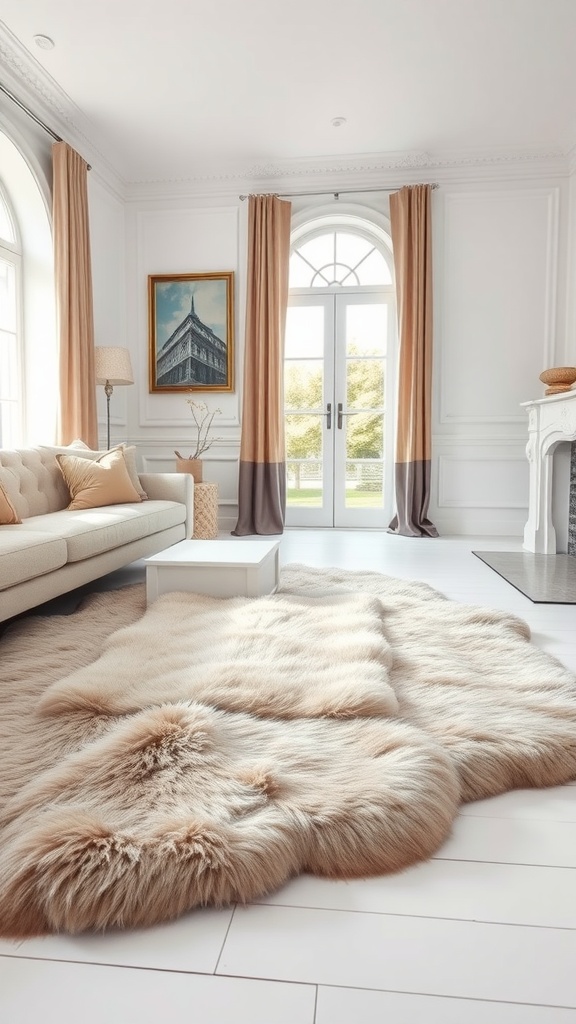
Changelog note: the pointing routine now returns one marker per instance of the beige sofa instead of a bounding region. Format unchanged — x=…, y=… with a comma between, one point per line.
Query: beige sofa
x=54, y=550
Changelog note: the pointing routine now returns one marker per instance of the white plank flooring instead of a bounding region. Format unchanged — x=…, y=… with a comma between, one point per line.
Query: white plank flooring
x=484, y=933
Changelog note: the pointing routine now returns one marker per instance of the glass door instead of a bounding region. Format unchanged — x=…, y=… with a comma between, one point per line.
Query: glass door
x=361, y=379
x=337, y=393
x=309, y=406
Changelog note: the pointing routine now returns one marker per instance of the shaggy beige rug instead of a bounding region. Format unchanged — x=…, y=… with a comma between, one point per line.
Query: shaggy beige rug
x=204, y=751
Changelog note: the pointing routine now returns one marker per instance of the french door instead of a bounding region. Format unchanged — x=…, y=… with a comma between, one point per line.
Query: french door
x=338, y=394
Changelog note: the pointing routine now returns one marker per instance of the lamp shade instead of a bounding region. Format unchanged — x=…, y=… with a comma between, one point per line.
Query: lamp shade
x=112, y=365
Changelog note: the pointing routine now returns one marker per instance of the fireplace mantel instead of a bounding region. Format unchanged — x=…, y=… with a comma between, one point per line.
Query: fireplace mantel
x=551, y=421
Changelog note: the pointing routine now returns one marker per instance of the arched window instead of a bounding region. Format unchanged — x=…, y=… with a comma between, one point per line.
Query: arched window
x=337, y=258
x=11, y=398
x=28, y=345
x=339, y=374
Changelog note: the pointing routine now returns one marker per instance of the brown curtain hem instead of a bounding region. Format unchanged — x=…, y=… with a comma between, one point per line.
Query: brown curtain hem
x=261, y=499
x=412, y=497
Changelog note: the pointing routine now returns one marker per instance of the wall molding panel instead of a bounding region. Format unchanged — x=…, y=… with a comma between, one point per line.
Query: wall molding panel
x=498, y=297
x=482, y=481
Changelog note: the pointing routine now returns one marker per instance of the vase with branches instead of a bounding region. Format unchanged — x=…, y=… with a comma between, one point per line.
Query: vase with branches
x=202, y=418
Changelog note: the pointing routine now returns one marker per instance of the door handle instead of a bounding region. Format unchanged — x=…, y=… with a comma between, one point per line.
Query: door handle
x=344, y=412
x=327, y=414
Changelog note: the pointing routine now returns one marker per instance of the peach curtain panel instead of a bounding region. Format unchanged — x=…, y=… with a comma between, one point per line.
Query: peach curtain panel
x=411, y=226
x=262, y=479
x=75, y=320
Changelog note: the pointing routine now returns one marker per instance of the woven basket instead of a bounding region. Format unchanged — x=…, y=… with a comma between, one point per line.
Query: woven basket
x=205, y=512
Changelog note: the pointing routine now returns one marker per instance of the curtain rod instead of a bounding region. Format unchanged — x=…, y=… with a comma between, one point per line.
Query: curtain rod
x=339, y=191
x=32, y=115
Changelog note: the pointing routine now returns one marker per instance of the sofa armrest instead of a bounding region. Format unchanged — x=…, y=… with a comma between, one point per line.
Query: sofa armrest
x=172, y=487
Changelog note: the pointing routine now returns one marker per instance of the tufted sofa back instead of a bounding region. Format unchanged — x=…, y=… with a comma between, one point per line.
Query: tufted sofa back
x=33, y=481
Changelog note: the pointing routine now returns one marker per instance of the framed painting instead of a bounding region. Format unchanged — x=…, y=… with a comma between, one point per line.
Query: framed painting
x=191, y=332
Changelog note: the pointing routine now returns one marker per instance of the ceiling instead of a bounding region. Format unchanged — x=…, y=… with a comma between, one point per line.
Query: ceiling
x=175, y=89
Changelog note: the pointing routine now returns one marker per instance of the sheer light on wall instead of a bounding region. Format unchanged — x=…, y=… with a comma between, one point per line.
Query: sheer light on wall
x=11, y=397
x=33, y=416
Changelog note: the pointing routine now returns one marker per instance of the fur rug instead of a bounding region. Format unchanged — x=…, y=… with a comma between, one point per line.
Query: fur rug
x=205, y=750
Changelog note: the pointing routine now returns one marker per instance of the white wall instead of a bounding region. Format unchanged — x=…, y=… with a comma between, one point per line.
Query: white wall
x=500, y=260
x=184, y=236
x=108, y=255
x=500, y=265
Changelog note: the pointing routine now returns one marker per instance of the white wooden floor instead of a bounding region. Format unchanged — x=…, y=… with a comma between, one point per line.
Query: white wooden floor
x=484, y=933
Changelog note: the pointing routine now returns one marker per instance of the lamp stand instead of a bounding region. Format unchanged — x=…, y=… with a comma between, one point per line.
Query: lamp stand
x=108, y=389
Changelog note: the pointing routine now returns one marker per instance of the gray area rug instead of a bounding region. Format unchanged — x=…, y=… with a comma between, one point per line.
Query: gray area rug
x=544, y=579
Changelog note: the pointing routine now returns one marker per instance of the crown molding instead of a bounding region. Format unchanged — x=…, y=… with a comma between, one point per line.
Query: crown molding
x=385, y=170
x=362, y=163
x=34, y=87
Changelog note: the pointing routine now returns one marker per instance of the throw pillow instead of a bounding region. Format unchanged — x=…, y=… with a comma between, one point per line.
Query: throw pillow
x=97, y=482
x=8, y=514
x=84, y=452
x=130, y=459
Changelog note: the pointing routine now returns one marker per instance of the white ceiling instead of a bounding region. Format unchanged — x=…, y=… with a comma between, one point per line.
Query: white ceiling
x=168, y=89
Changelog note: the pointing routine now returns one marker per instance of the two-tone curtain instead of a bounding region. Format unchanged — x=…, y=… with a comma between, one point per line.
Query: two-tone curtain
x=411, y=228
x=77, y=416
x=262, y=477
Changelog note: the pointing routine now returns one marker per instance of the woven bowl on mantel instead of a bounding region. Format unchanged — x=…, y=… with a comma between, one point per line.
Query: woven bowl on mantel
x=559, y=375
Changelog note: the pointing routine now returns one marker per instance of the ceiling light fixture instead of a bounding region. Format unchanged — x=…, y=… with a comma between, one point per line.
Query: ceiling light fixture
x=44, y=42
x=337, y=122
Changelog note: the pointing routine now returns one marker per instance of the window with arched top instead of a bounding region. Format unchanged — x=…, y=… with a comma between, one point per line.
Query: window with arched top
x=28, y=343
x=7, y=229
x=338, y=258
x=339, y=374
x=10, y=326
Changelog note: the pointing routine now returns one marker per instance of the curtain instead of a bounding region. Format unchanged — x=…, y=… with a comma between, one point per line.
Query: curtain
x=262, y=478
x=411, y=225
x=75, y=320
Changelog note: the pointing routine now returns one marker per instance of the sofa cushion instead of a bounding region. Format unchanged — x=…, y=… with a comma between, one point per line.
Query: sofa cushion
x=89, y=532
x=79, y=448
x=96, y=482
x=32, y=481
x=25, y=554
x=8, y=514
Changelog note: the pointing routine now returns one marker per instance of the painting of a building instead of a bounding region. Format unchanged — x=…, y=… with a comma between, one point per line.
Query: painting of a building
x=192, y=355
x=191, y=338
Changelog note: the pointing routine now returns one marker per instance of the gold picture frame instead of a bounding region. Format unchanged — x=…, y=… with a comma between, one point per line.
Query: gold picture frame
x=191, y=332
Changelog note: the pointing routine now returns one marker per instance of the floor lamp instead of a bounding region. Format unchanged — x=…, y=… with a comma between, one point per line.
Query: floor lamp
x=112, y=366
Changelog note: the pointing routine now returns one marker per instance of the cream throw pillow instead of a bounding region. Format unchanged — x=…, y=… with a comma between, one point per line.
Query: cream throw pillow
x=102, y=481
x=8, y=514
x=85, y=452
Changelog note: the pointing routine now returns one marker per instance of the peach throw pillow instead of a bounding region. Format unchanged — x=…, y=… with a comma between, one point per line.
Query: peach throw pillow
x=104, y=481
x=129, y=452
x=8, y=514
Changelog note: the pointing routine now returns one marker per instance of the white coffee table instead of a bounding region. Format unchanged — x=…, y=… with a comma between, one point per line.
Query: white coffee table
x=221, y=568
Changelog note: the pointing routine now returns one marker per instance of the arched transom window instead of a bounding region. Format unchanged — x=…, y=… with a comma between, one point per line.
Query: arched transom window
x=338, y=259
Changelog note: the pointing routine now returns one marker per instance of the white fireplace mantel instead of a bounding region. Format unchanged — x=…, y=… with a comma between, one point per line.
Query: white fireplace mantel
x=550, y=421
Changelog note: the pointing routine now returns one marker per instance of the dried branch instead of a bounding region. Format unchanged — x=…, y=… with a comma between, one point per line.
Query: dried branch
x=202, y=422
